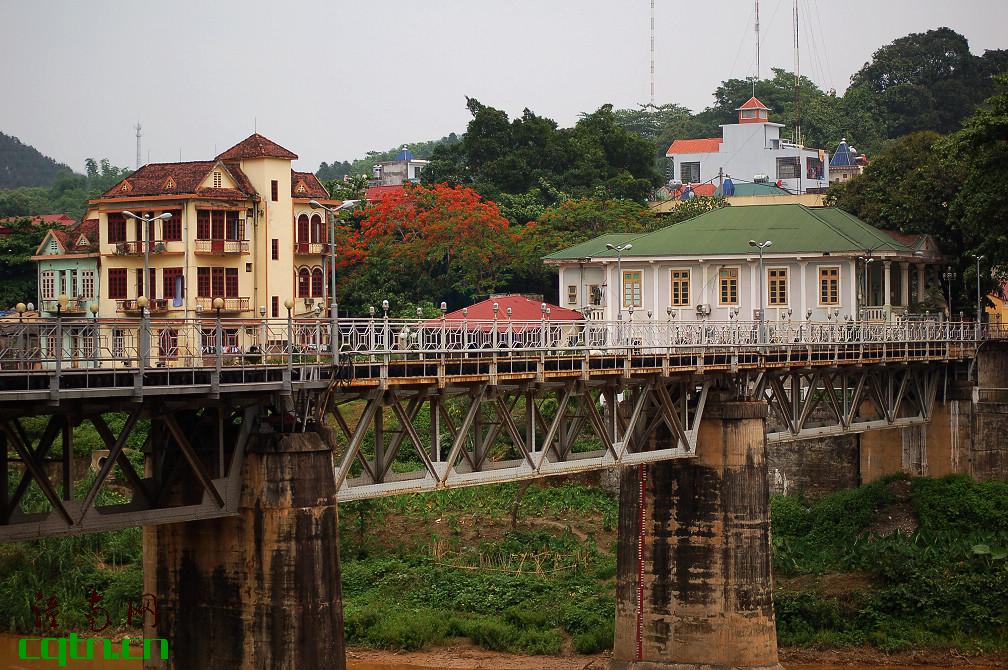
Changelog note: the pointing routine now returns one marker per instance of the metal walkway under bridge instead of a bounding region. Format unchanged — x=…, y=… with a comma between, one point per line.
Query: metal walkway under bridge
x=418, y=405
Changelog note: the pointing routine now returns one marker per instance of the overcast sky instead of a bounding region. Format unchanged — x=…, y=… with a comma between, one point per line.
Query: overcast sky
x=332, y=80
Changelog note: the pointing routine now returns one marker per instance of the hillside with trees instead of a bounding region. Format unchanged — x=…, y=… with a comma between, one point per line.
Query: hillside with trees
x=23, y=165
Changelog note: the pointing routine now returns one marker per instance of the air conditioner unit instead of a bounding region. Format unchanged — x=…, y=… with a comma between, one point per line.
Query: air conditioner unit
x=761, y=179
x=703, y=309
x=309, y=302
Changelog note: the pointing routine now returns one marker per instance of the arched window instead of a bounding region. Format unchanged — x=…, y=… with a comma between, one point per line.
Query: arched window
x=316, y=228
x=304, y=283
x=302, y=229
x=316, y=282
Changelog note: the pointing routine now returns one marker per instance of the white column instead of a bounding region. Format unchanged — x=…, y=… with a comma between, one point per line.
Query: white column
x=853, y=281
x=887, y=284
x=657, y=272
x=904, y=284
x=704, y=291
x=756, y=301
x=920, y=282
x=803, y=299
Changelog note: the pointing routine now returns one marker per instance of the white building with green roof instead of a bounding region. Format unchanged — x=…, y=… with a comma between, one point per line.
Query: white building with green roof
x=821, y=264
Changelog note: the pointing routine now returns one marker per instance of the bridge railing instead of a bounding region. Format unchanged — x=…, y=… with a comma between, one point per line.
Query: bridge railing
x=239, y=345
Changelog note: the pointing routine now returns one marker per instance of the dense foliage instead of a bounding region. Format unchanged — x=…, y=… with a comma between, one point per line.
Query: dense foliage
x=952, y=187
x=362, y=166
x=68, y=195
x=23, y=165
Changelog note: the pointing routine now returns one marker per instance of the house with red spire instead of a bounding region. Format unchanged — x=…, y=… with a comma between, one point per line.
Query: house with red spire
x=749, y=151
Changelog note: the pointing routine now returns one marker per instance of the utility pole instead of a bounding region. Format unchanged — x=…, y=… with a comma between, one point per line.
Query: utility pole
x=797, y=79
x=757, y=51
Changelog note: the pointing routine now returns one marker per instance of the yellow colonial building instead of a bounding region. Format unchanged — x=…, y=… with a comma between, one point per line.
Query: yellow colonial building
x=241, y=229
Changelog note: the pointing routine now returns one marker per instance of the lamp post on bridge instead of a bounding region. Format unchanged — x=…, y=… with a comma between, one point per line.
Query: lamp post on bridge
x=333, y=306
x=762, y=317
x=978, y=257
x=948, y=276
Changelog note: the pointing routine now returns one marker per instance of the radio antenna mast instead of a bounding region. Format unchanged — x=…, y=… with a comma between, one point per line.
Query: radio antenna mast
x=757, y=51
x=138, y=136
x=652, y=53
x=797, y=79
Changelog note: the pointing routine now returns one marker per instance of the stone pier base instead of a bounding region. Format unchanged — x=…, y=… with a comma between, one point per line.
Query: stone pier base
x=694, y=588
x=260, y=590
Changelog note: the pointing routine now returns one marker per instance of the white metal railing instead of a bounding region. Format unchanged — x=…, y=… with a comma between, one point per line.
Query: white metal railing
x=249, y=344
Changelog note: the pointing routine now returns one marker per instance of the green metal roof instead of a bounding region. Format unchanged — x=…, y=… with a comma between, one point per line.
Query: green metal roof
x=792, y=228
x=594, y=247
x=747, y=189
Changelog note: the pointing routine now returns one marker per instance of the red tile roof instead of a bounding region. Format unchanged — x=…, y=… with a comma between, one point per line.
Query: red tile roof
x=313, y=186
x=522, y=309
x=256, y=146
x=172, y=178
x=376, y=193
x=38, y=220
x=753, y=103
x=68, y=238
x=705, y=145
x=700, y=190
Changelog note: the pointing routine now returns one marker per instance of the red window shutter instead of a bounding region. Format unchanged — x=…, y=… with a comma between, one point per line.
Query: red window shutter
x=203, y=224
x=274, y=190
x=231, y=283
x=203, y=282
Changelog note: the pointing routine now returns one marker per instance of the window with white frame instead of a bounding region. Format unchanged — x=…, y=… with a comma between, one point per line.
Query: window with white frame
x=680, y=290
x=829, y=286
x=728, y=286
x=777, y=291
x=788, y=167
x=217, y=179
x=571, y=294
x=87, y=284
x=53, y=247
x=48, y=285
x=633, y=289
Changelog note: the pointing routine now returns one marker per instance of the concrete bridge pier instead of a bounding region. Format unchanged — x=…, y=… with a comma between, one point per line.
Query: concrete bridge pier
x=694, y=586
x=261, y=589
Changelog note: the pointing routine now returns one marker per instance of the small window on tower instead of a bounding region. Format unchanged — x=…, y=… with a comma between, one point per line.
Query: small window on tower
x=217, y=179
x=274, y=190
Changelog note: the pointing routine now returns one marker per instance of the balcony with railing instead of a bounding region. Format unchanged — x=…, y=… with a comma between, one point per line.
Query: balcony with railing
x=221, y=247
x=230, y=305
x=136, y=247
x=73, y=306
x=310, y=248
x=154, y=306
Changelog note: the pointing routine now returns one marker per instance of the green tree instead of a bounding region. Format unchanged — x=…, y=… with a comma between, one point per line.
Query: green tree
x=18, y=279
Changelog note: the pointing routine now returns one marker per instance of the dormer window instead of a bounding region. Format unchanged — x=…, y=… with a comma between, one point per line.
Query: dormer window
x=301, y=188
x=169, y=184
x=126, y=187
x=53, y=247
x=82, y=241
x=217, y=179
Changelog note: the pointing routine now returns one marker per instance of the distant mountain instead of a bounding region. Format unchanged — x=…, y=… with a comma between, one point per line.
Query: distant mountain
x=23, y=165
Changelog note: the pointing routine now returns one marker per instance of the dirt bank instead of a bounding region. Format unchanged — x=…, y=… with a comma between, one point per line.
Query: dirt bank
x=466, y=657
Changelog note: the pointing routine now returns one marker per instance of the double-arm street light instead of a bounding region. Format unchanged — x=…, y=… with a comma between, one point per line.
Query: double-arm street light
x=333, y=307
x=762, y=317
x=145, y=235
x=948, y=276
x=619, y=249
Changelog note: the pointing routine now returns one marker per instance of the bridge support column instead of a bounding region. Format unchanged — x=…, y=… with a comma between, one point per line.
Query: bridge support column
x=694, y=588
x=262, y=589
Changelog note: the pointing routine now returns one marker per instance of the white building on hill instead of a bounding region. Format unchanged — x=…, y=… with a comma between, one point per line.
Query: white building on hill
x=749, y=151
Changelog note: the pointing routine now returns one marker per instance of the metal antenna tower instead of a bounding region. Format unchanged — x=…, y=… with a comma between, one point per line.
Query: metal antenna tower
x=138, y=136
x=652, y=53
x=757, y=51
x=797, y=79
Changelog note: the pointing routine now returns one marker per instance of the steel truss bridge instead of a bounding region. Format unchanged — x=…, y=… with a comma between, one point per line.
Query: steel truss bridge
x=417, y=405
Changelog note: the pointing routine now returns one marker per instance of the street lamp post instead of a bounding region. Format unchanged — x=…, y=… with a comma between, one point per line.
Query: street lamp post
x=147, y=220
x=762, y=317
x=619, y=249
x=948, y=276
x=978, y=258
x=866, y=260
x=333, y=307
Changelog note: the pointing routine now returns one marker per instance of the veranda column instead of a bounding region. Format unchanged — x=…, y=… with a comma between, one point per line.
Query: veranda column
x=694, y=587
x=904, y=284
x=920, y=282
x=887, y=287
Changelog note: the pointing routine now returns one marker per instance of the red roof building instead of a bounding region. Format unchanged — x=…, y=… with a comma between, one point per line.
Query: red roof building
x=704, y=145
x=522, y=309
x=378, y=193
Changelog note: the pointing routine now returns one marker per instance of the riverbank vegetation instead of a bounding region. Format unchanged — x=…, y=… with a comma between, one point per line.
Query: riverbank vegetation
x=897, y=564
